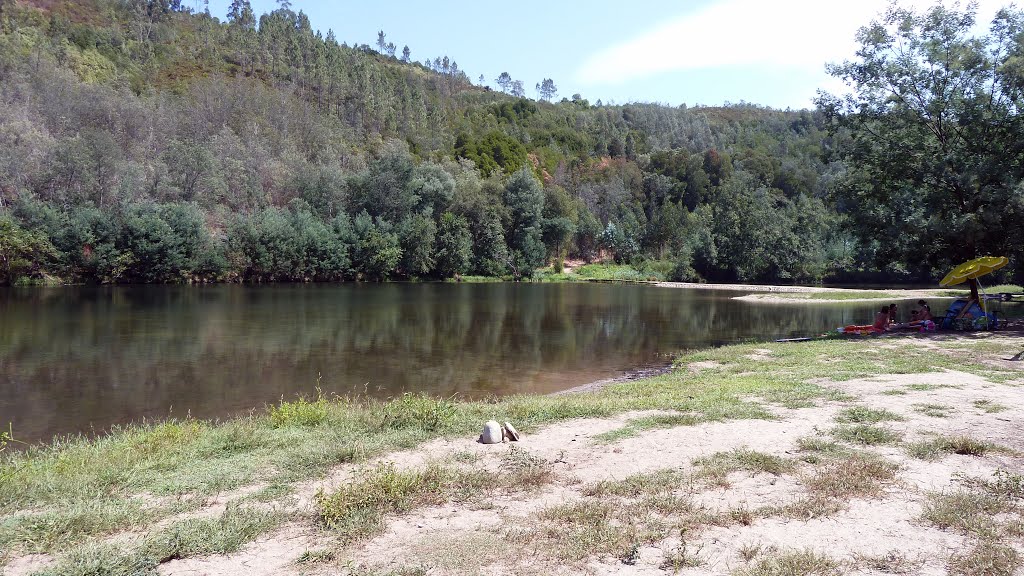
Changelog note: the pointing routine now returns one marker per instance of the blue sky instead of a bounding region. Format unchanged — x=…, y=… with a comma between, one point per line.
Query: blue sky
x=673, y=52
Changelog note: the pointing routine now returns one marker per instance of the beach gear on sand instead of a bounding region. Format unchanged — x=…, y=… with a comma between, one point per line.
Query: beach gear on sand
x=972, y=314
x=860, y=329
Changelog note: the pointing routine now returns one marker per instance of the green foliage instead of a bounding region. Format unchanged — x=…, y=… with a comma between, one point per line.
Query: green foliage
x=257, y=113
x=454, y=246
x=495, y=151
x=377, y=250
x=524, y=199
x=24, y=254
x=301, y=412
x=924, y=82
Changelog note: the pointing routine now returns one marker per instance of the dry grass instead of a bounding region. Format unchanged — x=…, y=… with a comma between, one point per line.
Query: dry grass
x=964, y=445
x=659, y=482
x=934, y=410
x=805, y=563
x=859, y=475
x=357, y=510
x=986, y=558
x=892, y=562
x=966, y=511
x=815, y=450
x=682, y=557
x=989, y=407
x=715, y=469
x=576, y=531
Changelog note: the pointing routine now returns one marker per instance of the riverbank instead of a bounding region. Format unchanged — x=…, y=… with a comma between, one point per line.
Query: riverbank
x=835, y=455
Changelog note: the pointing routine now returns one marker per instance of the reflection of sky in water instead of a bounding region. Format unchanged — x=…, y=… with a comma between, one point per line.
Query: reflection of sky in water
x=80, y=359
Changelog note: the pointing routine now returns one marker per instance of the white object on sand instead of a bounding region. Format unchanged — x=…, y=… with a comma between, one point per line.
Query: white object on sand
x=492, y=433
x=510, y=432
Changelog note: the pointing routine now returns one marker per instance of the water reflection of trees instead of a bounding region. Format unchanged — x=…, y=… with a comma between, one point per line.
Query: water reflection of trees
x=90, y=356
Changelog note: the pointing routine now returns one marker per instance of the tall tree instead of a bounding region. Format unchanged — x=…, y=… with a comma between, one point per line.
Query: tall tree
x=525, y=201
x=504, y=81
x=240, y=14
x=546, y=89
x=932, y=134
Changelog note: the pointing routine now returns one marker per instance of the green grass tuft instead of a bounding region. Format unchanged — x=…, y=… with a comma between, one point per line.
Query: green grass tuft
x=865, y=415
x=989, y=406
x=866, y=435
x=805, y=563
x=934, y=410
x=717, y=467
x=988, y=558
x=964, y=445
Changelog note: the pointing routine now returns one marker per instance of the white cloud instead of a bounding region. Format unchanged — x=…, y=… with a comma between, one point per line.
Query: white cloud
x=782, y=34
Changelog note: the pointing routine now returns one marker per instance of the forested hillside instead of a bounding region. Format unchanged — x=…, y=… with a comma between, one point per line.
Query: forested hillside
x=141, y=142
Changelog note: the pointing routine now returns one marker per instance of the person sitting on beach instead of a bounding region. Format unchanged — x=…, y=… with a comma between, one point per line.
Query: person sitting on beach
x=925, y=313
x=892, y=313
x=915, y=316
x=882, y=320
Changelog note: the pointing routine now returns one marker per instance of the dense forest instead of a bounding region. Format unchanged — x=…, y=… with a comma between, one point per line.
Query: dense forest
x=142, y=141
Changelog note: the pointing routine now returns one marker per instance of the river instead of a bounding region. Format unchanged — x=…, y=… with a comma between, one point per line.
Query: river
x=81, y=359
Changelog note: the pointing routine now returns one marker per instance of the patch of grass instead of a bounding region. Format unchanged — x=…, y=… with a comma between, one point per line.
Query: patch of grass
x=321, y=556
x=1006, y=483
x=301, y=412
x=750, y=551
x=185, y=539
x=865, y=415
x=964, y=445
x=357, y=510
x=659, y=482
x=581, y=529
x=988, y=558
x=866, y=435
x=934, y=410
x=681, y=557
x=525, y=469
x=989, y=406
x=846, y=476
x=965, y=511
x=892, y=562
x=814, y=450
x=805, y=563
x=221, y=535
x=804, y=508
x=637, y=426
x=743, y=459
x=928, y=387
x=861, y=474
x=895, y=392
x=466, y=457
x=64, y=526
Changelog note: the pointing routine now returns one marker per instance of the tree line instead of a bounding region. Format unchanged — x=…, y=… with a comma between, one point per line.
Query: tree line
x=140, y=142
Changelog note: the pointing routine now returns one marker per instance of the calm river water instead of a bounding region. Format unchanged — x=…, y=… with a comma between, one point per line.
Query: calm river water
x=81, y=359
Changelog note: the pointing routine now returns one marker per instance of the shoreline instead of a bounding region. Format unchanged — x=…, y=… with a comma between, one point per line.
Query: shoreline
x=747, y=458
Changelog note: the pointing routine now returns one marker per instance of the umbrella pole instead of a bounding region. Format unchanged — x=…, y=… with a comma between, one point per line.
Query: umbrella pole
x=984, y=305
